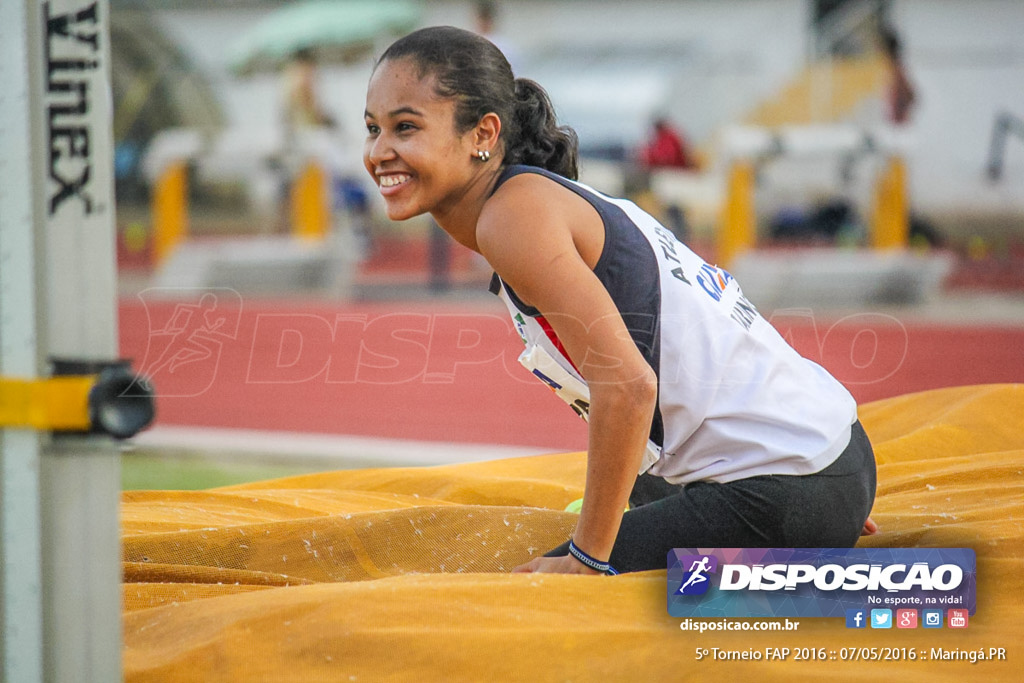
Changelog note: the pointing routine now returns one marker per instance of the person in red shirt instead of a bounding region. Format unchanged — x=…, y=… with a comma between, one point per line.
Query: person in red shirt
x=666, y=148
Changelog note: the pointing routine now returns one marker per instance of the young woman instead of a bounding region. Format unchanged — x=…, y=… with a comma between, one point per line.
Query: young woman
x=738, y=441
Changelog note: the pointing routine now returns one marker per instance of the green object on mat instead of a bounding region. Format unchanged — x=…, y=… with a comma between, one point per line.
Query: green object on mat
x=577, y=505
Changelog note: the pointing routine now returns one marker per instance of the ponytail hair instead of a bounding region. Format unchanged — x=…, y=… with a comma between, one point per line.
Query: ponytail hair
x=537, y=139
x=472, y=71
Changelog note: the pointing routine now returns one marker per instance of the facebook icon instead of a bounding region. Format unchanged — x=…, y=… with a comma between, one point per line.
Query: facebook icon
x=856, y=618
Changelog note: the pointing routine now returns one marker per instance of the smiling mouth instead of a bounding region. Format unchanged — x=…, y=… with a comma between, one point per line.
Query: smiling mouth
x=393, y=180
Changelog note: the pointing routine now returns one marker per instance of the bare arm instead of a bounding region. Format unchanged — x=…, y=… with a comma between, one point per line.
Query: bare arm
x=528, y=234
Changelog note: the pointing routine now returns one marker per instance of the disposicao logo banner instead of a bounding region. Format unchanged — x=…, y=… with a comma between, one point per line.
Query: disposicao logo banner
x=817, y=582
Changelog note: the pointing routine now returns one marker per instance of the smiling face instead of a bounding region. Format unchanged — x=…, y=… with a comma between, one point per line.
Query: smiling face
x=419, y=161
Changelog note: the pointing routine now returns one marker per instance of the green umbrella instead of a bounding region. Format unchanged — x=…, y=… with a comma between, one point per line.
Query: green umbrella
x=334, y=30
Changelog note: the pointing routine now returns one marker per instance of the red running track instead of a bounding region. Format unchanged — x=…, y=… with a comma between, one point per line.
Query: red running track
x=444, y=372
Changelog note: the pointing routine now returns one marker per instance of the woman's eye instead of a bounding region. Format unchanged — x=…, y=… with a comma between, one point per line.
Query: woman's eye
x=372, y=129
x=405, y=127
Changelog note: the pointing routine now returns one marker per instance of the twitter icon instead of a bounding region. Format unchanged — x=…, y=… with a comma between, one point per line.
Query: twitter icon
x=881, y=618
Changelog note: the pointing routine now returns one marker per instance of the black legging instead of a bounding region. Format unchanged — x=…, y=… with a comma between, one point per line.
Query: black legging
x=826, y=509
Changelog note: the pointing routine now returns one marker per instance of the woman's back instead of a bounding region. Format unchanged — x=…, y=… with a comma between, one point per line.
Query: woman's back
x=735, y=400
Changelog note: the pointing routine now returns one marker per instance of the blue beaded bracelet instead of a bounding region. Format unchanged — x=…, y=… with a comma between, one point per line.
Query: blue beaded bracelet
x=597, y=565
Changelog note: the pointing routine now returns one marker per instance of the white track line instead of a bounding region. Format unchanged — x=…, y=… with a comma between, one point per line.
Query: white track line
x=316, y=449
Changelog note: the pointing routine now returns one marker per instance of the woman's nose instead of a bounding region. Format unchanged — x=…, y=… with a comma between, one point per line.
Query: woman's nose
x=379, y=149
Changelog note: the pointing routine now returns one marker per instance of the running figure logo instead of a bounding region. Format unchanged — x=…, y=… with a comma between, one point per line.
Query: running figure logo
x=185, y=342
x=696, y=570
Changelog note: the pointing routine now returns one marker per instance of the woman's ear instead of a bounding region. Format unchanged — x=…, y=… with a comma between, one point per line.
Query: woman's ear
x=487, y=132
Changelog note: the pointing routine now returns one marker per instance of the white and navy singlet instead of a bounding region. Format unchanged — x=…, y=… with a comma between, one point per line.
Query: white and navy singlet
x=735, y=400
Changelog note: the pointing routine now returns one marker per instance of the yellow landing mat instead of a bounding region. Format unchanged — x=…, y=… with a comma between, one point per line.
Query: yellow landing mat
x=401, y=574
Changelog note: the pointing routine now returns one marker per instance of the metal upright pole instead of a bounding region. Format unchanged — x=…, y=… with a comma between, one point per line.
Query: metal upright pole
x=61, y=562
x=20, y=340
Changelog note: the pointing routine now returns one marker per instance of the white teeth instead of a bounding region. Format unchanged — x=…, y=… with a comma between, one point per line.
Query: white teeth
x=392, y=180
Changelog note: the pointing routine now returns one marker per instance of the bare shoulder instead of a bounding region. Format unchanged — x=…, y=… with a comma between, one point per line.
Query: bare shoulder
x=528, y=198
x=527, y=184
x=540, y=207
x=528, y=209
x=523, y=228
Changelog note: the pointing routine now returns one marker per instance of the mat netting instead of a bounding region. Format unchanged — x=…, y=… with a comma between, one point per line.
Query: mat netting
x=402, y=574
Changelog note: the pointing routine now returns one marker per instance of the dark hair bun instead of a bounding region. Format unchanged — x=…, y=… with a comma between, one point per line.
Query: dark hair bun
x=539, y=140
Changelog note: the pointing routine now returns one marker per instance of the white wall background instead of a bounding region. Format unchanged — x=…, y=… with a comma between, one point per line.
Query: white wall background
x=610, y=65
x=702, y=62
x=967, y=60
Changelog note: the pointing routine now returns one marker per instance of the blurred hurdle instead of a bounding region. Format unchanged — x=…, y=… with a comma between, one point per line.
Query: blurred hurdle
x=317, y=256
x=738, y=232
x=890, y=217
x=747, y=149
x=310, y=203
x=165, y=165
x=885, y=271
x=175, y=153
x=170, y=210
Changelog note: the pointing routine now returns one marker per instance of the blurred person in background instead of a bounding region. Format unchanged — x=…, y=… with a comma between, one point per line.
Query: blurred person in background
x=900, y=102
x=700, y=414
x=302, y=109
x=301, y=103
x=486, y=20
x=299, y=108
x=666, y=147
x=900, y=98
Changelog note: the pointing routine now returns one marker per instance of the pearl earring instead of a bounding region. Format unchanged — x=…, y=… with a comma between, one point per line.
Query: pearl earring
x=483, y=154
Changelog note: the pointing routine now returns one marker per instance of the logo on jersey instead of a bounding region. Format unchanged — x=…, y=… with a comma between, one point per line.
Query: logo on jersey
x=520, y=324
x=713, y=280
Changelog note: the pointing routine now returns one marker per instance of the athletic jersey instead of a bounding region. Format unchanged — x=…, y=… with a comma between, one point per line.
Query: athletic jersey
x=734, y=399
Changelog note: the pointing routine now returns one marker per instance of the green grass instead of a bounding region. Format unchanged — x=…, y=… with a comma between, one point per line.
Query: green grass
x=147, y=471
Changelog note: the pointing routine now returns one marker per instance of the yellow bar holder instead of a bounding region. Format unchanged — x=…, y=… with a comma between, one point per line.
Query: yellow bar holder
x=109, y=400
x=55, y=404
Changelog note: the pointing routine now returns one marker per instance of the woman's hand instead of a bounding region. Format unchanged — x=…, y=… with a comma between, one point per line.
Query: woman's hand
x=554, y=565
x=870, y=528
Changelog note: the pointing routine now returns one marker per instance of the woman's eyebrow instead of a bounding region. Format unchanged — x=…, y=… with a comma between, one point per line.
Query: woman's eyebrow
x=396, y=112
x=405, y=110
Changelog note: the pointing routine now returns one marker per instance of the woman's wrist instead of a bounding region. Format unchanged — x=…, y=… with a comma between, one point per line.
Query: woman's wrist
x=587, y=560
